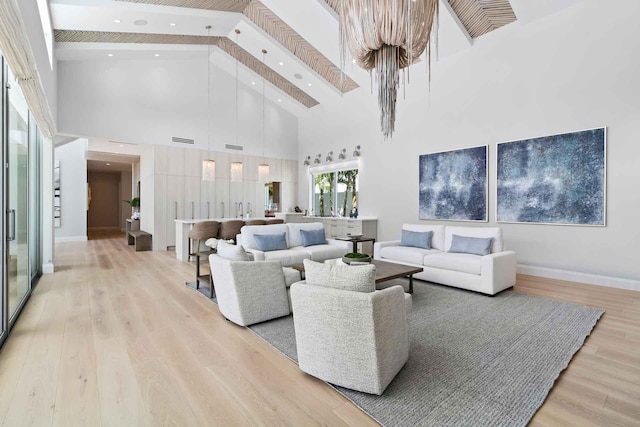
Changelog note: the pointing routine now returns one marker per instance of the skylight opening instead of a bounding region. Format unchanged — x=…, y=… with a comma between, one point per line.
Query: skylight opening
x=47, y=29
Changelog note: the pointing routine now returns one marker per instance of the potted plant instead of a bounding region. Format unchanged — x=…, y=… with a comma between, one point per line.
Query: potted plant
x=135, y=205
x=356, y=257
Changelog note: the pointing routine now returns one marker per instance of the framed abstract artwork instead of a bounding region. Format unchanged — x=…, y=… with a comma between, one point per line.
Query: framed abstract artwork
x=453, y=185
x=558, y=179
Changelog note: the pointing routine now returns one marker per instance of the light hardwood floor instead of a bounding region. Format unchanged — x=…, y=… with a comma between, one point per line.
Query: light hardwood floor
x=115, y=338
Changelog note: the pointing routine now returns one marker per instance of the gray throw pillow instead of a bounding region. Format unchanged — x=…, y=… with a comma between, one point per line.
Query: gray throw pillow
x=232, y=252
x=270, y=242
x=313, y=237
x=416, y=239
x=471, y=245
x=360, y=278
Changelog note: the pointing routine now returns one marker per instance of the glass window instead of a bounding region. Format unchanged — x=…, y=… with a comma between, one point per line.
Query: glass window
x=335, y=193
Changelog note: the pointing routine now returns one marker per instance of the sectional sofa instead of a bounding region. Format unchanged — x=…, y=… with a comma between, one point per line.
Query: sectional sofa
x=488, y=274
x=295, y=252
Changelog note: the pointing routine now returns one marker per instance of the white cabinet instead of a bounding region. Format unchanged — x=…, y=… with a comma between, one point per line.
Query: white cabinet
x=180, y=193
x=208, y=199
x=174, y=207
x=222, y=199
x=192, y=197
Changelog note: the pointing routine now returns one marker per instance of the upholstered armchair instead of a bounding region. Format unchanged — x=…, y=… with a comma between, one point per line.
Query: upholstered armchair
x=250, y=292
x=358, y=339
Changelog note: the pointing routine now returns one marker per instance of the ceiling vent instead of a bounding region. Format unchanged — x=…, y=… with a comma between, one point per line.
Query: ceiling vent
x=233, y=147
x=182, y=140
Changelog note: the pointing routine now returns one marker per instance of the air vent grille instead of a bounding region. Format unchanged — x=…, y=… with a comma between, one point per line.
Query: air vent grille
x=233, y=147
x=182, y=140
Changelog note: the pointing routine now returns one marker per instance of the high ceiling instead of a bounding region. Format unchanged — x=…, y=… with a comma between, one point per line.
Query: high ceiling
x=302, y=66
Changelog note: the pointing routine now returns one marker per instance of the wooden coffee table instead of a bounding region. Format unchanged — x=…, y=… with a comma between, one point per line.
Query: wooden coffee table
x=385, y=271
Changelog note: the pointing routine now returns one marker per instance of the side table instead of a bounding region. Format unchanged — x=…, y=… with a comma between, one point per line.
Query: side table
x=356, y=240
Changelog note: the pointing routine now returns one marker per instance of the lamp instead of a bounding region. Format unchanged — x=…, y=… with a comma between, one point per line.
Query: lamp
x=307, y=161
x=329, y=158
x=356, y=152
x=236, y=171
x=209, y=165
x=343, y=154
x=385, y=37
x=263, y=168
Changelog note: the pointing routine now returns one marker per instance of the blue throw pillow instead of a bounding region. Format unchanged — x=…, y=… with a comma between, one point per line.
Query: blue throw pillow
x=416, y=239
x=471, y=245
x=313, y=237
x=270, y=242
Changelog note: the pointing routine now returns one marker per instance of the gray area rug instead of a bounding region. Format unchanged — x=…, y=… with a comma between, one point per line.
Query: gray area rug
x=474, y=360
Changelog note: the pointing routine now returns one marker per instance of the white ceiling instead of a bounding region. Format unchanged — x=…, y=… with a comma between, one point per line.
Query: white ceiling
x=310, y=18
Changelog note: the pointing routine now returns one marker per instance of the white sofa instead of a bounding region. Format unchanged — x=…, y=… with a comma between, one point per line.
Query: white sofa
x=295, y=252
x=488, y=274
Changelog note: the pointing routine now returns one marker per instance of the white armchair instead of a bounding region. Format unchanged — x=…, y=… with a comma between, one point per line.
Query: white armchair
x=249, y=292
x=357, y=340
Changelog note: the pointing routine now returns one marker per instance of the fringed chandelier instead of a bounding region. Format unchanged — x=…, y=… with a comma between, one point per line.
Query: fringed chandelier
x=383, y=37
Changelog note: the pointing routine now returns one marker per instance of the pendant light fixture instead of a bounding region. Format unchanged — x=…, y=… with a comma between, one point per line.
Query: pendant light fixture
x=384, y=38
x=209, y=165
x=236, y=167
x=263, y=168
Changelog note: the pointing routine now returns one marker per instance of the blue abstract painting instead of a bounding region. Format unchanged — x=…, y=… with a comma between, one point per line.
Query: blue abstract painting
x=557, y=179
x=453, y=185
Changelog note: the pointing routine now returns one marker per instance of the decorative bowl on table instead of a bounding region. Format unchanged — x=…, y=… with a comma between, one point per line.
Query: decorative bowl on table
x=354, y=236
x=356, y=258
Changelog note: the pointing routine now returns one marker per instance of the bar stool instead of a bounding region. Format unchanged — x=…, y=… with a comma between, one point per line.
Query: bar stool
x=201, y=232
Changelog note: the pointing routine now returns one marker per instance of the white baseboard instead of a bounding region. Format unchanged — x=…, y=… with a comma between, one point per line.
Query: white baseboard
x=575, y=276
x=71, y=239
x=47, y=268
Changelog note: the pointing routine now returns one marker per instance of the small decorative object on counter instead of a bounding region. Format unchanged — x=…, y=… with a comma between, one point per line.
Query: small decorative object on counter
x=356, y=258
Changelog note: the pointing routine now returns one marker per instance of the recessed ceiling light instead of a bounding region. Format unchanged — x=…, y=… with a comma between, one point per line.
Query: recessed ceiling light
x=140, y=22
x=253, y=83
x=121, y=145
x=281, y=63
x=117, y=21
x=297, y=76
x=108, y=164
x=110, y=54
x=279, y=100
x=309, y=84
x=353, y=60
x=157, y=54
x=173, y=24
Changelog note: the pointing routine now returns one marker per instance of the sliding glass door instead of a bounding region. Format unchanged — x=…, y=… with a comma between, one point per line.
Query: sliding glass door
x=17, y=181
x=20, y=184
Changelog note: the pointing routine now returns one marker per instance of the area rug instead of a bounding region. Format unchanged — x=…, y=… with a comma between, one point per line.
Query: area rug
x=474, y=360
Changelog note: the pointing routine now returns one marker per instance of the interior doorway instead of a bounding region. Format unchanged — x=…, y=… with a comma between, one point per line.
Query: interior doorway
x=110, y=186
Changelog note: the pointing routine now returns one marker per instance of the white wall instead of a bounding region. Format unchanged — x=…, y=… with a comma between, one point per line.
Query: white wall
x=47, y=71
x=573, y=70
x=151, y=101
x=73, y=191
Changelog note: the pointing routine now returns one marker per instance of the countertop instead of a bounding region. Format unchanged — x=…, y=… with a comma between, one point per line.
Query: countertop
x=345, y=218
x=193, y=221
